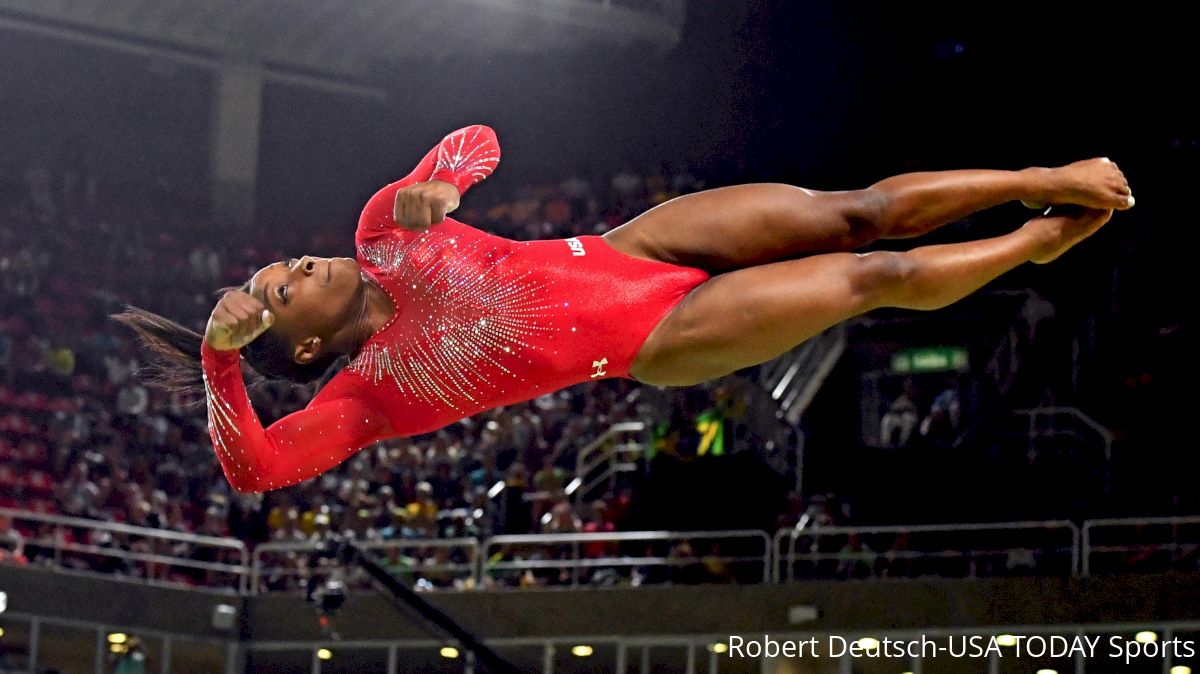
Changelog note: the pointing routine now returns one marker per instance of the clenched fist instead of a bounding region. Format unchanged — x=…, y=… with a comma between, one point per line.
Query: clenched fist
x=236, y=321
x=423, y=205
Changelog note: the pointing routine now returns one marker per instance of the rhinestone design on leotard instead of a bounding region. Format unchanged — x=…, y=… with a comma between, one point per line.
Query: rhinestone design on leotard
x=222, y=419
x=472, y=320
x=462, y=154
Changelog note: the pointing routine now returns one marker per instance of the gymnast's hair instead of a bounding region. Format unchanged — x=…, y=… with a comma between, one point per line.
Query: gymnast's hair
x=174, y=356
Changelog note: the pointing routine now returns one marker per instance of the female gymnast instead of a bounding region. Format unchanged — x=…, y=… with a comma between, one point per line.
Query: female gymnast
x=441, y=321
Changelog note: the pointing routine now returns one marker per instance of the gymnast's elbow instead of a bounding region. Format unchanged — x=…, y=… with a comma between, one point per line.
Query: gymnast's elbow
x=247, y=482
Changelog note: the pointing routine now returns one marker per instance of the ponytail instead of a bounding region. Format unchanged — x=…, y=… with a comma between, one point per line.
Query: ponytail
x=174, y=357
x=174, y=352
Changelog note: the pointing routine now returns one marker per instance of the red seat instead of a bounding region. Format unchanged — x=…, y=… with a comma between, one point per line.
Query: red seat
x=39, y=481
x=35, y=453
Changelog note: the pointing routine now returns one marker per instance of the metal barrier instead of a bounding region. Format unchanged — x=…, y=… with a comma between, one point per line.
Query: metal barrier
x=671, y=556
x=1050, y=548
x=852, y=552
x=52, y=538
x=606, y=457
x=1157, y=545
x=794, y=378
x=1049, y=422
x=460, y=562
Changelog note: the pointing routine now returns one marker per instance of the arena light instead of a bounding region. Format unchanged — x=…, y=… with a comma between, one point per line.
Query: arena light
x=117, y=638
x=324, y=654
x=1006, y=640
x=718, y=648
x=449, y=652
x=1047, y=671
x=1181, y=669
x=1, y=631
x=496, y=489
x=581, y=651
x=117, y=648
x=1146, y=637
x=867, y=643
x=546, y=518
x=575, y=484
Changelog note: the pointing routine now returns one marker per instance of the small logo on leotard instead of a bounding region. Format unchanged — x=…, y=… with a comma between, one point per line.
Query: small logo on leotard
x=576, y=246
x=599, y=365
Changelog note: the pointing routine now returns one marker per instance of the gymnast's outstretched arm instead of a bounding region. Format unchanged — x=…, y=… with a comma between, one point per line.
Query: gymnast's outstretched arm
x=333, y=427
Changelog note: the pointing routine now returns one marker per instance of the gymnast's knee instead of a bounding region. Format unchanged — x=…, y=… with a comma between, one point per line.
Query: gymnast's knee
x=867, y=212
x=883, y=278
x=854, y=217
x=863, y=214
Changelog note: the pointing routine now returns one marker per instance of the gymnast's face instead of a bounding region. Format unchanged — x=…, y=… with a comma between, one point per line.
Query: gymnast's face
x=312, y=298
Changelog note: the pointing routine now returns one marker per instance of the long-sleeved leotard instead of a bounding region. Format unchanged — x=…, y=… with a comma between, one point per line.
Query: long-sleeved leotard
x=480, y=321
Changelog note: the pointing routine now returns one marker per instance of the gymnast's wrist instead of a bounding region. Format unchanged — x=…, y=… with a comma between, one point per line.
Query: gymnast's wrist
x=211, y=355
x=460, y=181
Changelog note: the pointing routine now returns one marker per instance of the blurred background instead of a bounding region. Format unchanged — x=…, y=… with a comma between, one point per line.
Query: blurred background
x=902, y=473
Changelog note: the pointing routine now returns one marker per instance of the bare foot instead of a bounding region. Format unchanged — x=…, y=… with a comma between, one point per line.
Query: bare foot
x=1094, y=183
x=1060, y=231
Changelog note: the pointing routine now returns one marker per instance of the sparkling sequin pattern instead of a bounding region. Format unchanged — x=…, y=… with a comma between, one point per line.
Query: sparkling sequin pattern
x=461, y=152
x=222, y=419
x=463, y=318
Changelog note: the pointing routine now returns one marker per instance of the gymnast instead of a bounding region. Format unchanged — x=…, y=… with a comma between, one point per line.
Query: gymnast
x=440, y=321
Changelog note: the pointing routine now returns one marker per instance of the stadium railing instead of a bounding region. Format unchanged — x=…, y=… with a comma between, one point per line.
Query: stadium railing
x=599, y=558
x=157, y=555
x=954, y=550
x=1071, y=422
x=287, y=565
x=599, y=464
x=1146, y=544
x=1058, y=548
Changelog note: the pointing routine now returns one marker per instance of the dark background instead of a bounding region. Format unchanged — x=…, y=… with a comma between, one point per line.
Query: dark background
x=804, y=92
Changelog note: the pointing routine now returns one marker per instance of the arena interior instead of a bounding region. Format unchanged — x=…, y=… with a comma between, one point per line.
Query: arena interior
x=1003, y=486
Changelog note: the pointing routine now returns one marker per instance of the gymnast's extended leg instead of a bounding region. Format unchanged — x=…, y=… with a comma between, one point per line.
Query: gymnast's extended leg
x=745, y=225
x=749, y=316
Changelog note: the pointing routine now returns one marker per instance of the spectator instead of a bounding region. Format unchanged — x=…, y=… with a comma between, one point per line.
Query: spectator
x=941, y=426
x=900, y=419
x=12, y=543
x=627, y=183
x=855, y=560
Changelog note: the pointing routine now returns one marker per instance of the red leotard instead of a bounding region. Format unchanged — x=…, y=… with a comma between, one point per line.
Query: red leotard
x=481, y=321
